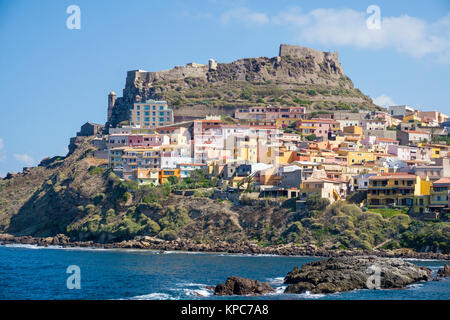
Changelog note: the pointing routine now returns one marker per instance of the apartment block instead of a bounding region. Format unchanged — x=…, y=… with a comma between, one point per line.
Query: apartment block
x=151, y=114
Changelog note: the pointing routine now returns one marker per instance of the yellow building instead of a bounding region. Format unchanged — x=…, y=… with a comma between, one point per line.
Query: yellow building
x=411, y=118
x=399, y=189
x=437, y=150
x=165, y=174
x=285, y=122
x=354, y=130
x=357, y=157
x=285, y=157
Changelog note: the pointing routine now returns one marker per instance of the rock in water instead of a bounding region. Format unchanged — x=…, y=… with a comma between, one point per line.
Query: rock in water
x=339, y=274
x=444, y=272
x=242, y=286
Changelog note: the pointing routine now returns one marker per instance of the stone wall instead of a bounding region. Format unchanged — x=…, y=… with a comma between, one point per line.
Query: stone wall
x=385, y=134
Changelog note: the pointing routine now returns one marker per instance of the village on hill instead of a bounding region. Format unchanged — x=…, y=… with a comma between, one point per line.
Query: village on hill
x=397, y=158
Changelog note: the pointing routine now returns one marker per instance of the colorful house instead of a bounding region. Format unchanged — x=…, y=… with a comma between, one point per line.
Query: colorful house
x=439, y=197
x=330, y=189
x=357, y=157
x=318, y=127
x=165, y=174
x=147, y=176
x=396, y=189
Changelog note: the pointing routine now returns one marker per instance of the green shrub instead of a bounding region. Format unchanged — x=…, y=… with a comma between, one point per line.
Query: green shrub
x=100, y=197
x=93, y=170
x=126, y=196
x=90, y=208
x=174, y=218
x=168, y=235
x=316, y=202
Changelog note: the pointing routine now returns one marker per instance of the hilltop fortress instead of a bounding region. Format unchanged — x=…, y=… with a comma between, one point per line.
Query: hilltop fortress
x=200, y=89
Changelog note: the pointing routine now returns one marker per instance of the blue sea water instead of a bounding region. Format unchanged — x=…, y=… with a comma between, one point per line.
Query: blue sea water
x=31, y=272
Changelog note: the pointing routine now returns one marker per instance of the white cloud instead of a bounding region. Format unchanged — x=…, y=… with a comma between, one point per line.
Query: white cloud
x=24, y=158
x=244, y=15
x=2, y=152
x=347, y=27
x=383, y=101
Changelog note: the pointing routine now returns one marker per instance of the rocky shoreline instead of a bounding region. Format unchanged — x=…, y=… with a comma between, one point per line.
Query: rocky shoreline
x=151, y=243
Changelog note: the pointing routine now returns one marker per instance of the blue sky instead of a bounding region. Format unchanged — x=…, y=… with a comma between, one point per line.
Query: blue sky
x=54, y=79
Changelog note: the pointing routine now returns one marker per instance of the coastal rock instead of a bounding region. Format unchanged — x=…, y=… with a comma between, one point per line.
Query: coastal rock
x=444, y=272
x=339, y=274
x=242, y=286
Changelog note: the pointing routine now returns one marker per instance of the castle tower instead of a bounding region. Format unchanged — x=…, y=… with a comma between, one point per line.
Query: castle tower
x=111, y=102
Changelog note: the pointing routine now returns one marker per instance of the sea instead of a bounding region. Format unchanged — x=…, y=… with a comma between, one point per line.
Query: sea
x=32, y=272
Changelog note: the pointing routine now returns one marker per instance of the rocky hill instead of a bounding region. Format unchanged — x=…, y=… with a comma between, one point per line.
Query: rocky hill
x=297, y=76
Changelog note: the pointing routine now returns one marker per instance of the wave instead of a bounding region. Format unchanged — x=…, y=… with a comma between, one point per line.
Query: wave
x=190, y=284
x=197, y=292
x=153, y=296
x=415, y=286
x=58, y=247
x=276, y=280
x=309, y=295
x=26, y=246
x=424, y=260
x=280, y=289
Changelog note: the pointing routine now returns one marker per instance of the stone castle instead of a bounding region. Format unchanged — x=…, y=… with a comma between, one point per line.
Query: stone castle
x=294, y=64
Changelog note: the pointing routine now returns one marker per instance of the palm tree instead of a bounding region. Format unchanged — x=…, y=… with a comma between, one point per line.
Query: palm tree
x=249, y=180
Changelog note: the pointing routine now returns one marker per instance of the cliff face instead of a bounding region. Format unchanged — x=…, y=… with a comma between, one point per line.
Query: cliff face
x=297, y=76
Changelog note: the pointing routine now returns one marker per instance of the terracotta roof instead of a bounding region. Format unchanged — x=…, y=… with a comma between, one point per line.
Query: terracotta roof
x=385, y=139
x=393, y=175
x=412, y=131
x=319, y=120
x=205, y=120
x=442, y=181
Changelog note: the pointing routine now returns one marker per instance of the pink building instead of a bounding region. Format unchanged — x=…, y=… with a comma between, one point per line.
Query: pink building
x=269, y=113
x=136, y=140
x=318, y=127
x=404, y=153
x=154, y=140
x=208, y=140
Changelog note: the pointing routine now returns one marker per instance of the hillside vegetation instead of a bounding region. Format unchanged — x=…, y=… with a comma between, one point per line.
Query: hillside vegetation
x=85, y=202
